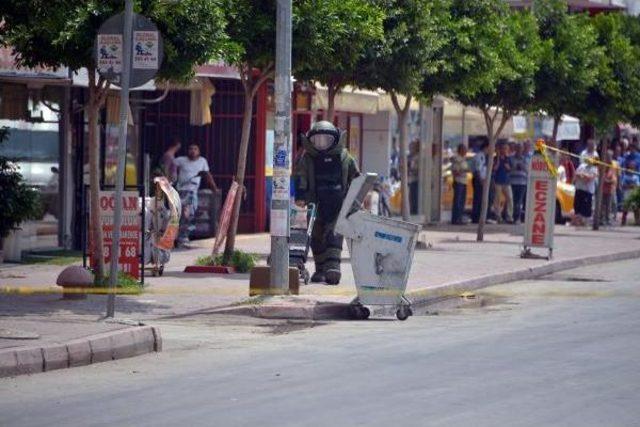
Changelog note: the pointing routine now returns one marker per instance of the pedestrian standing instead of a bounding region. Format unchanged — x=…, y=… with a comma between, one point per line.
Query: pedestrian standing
x=634, y=153
x=191, y=169
x=501, y=171
x=518, y=179
x=413, y=173
x=479, y=174
x=618, y=162
x=590, y=152
x=630, y=181
x=569, y=168
x=585, y=183
x=609, y=185
x=459, y=169
x=168, y=164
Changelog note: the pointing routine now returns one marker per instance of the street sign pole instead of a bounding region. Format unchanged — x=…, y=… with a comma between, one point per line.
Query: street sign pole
x=122, y=152
x=280, y=208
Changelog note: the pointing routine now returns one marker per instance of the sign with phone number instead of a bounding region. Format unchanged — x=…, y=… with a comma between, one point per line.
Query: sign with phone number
x=129, y=249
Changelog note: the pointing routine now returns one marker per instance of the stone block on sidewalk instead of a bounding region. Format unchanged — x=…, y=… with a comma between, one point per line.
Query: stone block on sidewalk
x=29, y=360
x=79, y=353
x=73, y=279
x=144, y=341
x=55, y=357
x=260, y=281
x=101, y=348
x=8, y=363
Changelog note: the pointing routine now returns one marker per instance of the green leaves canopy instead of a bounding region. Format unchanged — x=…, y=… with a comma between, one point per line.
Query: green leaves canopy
x=616, y=91
x=469, y=59
x=56, y=33
x=331, y=37
x=412, y=36
x=515, y=55
x=570, y=58
x=251, y=27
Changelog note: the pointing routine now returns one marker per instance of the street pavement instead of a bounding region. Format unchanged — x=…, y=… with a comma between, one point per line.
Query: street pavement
x=452, y=255
x=562, y=351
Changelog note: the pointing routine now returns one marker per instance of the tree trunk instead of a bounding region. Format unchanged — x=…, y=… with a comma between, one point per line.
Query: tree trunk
x=240, y=173
x=332, y=91
x=554, y=135
x=404, y=172
x=97, y=249
x=486, y=185
x=597, y=212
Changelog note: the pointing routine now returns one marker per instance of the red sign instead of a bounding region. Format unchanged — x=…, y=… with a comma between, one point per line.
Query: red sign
x=540, y=205
x=129, y=250
x=540, y=192
x=223, y=226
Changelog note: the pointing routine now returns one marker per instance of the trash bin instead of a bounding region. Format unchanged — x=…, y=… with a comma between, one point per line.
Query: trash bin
x=381, y=252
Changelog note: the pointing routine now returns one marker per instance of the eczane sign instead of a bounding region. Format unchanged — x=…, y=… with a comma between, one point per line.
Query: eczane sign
x=540, y=205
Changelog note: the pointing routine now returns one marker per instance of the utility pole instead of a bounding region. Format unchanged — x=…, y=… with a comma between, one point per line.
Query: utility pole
x=281, y=153
x=122, y=152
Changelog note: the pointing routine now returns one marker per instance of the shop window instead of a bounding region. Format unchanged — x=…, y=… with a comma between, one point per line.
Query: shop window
x=31, y=116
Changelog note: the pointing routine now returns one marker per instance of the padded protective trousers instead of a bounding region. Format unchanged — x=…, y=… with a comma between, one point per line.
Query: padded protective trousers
x=326, y=246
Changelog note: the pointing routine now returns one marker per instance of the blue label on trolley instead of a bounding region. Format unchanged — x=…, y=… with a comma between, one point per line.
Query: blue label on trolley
x=390, y=237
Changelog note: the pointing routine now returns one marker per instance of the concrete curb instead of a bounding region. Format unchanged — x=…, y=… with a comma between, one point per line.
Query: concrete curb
x=103, y=347
x=423, y=297
x=302, y=309
x=292, y=310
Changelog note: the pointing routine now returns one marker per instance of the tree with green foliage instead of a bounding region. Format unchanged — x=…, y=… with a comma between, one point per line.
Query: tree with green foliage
x=630, y=27
x=332, y=38
x=252, y=30
x=58, y=33
x=569, y=62
x=514, y=49
x=397, y=64
x=615, y=94
x=19, y=201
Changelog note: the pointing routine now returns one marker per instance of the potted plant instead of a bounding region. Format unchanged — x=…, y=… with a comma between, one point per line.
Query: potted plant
x=19, y=201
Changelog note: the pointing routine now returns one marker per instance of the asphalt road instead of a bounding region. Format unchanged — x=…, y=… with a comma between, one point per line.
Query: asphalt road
x=556, y=352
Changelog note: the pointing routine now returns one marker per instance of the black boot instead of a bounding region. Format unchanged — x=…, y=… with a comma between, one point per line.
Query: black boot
x=318, y=277
x=333, y=277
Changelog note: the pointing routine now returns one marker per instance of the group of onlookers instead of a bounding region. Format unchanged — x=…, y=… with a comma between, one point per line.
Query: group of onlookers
x=509, y=175
x=619, y=179
x=508, y=182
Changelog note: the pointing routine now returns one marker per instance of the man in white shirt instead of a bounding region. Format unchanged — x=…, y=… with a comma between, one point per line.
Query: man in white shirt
x=590, y=152
x=585, y=183
x=191, y=168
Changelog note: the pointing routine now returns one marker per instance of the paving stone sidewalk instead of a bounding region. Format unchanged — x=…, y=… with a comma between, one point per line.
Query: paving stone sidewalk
x=30, y=301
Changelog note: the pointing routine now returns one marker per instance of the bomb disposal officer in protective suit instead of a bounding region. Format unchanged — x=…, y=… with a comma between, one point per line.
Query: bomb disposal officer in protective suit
x=323, y=175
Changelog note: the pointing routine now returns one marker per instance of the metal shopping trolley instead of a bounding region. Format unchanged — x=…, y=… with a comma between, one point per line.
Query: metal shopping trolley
x=301, y=227
x=381, y=252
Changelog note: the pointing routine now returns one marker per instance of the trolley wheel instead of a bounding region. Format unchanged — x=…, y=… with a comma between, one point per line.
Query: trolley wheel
x=161, y=270
x=359, y=312
x=404, y=312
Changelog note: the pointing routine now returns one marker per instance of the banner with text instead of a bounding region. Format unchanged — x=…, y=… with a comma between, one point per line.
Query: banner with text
x=130, y=233
x=540, y=205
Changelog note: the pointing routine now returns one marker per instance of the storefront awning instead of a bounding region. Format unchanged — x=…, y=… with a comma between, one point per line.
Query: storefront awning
x=39, y=76
x=349, y=100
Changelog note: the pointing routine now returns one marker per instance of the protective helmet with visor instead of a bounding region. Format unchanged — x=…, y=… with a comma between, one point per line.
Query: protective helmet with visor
x=324, y=136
